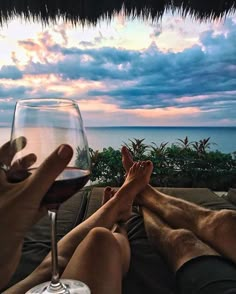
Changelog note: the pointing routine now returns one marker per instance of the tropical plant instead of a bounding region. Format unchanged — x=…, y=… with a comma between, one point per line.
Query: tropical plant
x=158, y=155
x=184, y=144
x=182, y=164
x=202, y=146
x=81, y=158
x=108, y=169
x=137, y=148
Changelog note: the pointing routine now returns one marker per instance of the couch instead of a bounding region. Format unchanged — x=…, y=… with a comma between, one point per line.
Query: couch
x=148, y=271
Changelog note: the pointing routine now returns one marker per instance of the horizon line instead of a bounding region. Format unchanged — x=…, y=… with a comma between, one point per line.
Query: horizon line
x=144, y=126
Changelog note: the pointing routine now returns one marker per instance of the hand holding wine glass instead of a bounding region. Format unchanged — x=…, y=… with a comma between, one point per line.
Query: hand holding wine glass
x=18, y=209
x=48, y=123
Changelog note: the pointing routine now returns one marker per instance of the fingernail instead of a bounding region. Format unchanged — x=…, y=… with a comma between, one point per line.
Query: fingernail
x=64, y=152
x=22, y=140
x=32, y=159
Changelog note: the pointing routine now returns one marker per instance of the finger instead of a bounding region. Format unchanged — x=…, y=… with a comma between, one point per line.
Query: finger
x=9, y=149
x=18, y=176
x=45, y=175
x=23, y=163
x=19, y=169
x=113, y=192
x=3, y=177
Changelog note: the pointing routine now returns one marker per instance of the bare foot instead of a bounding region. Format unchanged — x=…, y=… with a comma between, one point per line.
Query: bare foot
x=137, y=178
x=127, y=159
x=108, y=193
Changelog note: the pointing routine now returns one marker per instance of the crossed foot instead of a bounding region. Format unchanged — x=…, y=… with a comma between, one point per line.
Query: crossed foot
x=138, y=176
x=127, y=161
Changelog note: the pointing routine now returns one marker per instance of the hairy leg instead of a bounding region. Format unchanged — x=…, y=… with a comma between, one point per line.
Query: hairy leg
x=118, y=208
x=216, y=228
x=178, y=246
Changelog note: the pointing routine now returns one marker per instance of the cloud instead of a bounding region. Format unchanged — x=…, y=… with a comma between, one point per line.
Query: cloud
x=207, y=69
x=86, y=44
x=202, y=69
x=10, y=72
x=13, y=92
x=200, y=78
x=62, y=32
x=157, y=30
x=101, y=64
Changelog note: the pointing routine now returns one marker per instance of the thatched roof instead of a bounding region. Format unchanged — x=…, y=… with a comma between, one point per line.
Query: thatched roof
x=90, y=11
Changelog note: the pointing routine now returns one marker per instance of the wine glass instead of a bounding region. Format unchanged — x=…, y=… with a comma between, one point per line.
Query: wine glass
x=47, y=123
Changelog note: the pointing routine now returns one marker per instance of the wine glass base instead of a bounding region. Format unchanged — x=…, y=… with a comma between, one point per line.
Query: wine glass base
x=70, y=287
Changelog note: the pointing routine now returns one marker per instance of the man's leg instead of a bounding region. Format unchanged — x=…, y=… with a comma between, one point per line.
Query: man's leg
x=177, y=245
x=198, y=267
x=216, y=228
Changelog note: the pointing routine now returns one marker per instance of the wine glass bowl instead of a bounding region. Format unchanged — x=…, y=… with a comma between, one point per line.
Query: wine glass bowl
x=46, y=123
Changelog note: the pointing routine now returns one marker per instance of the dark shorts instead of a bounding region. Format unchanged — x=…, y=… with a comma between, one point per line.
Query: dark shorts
x=207, y=275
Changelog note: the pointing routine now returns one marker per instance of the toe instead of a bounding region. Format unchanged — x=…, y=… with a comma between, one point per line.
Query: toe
x=106, y=194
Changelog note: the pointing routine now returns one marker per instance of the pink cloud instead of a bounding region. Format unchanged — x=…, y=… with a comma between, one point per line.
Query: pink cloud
x=165, y=112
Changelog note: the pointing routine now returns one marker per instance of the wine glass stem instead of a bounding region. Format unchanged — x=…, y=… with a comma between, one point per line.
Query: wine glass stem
x=55, y=274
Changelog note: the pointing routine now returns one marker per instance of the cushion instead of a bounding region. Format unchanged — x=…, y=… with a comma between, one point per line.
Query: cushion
x=94, y=201
x=231, y=196
x=201, y=196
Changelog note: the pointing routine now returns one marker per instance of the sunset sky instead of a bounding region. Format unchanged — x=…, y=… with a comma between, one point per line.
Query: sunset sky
x=175, y=72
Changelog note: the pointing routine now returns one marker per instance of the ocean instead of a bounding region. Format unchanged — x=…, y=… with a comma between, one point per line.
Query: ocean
x=224, y=138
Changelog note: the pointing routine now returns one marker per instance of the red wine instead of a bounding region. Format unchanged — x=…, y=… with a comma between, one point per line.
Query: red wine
x=73, y=179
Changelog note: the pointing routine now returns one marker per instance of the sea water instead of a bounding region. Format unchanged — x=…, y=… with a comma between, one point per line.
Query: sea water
x=222, y=138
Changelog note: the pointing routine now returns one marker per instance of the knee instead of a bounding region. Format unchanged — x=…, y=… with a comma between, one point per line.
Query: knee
x=181, y=239
x=101, y=238
x=221, y=222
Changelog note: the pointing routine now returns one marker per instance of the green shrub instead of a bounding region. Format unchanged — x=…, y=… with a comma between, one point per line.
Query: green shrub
x=182, y=164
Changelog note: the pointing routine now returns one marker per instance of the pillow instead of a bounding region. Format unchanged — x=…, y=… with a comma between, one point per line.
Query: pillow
x=231, y=196
x=200, y=196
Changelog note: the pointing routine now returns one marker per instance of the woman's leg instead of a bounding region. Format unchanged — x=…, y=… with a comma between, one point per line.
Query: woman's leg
x=118, y=208
x=102, y=252
x=119, y=232
x=98, y=262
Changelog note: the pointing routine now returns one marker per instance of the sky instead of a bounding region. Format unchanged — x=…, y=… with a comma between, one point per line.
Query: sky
x=127, y=72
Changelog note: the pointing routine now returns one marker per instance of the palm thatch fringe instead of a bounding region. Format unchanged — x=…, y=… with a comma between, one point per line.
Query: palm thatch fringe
x=90, y=11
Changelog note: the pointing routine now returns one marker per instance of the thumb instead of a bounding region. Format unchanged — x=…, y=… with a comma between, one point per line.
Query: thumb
x=48, y=171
